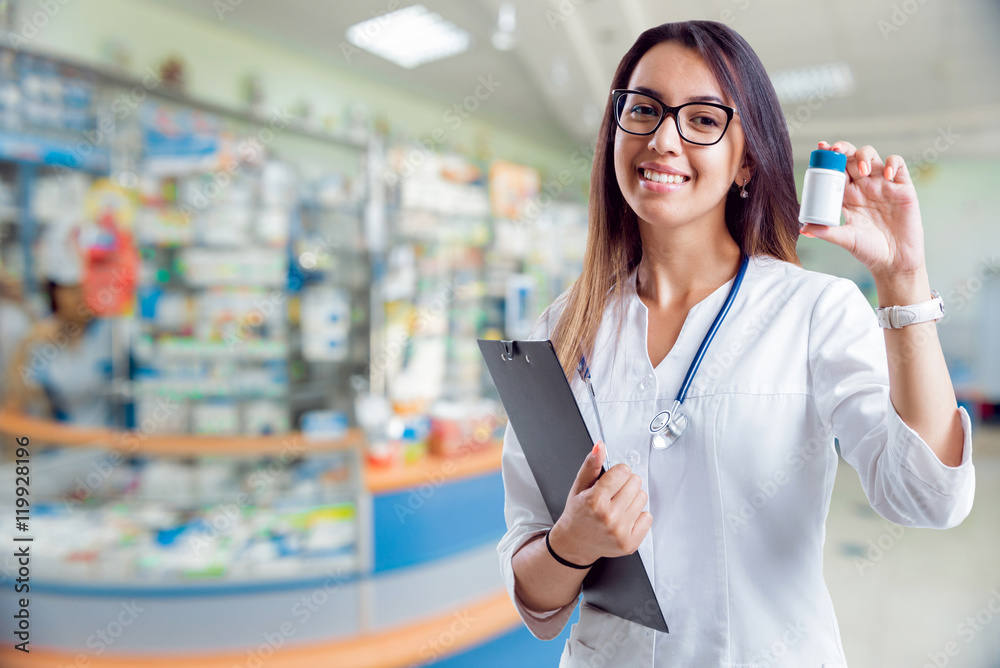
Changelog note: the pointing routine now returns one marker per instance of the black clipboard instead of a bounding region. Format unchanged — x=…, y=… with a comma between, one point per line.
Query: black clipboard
x=546, y=419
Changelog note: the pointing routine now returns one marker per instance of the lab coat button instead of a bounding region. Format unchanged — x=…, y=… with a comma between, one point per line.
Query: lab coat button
x=632, y=459
x=647, y=382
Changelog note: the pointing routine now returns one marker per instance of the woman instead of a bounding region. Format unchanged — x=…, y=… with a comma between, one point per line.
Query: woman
x=62, y=368
x=729, y=519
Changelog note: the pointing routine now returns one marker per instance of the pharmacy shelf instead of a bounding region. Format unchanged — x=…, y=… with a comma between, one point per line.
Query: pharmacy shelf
x=207, y=389
x=35, y=149
x=127, y=80
x=187, y=348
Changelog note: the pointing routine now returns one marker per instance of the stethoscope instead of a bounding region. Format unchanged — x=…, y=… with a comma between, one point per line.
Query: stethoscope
x=667, y=426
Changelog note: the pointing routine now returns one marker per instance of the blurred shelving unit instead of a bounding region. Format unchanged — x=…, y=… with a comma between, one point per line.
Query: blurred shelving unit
x=46, y=106
x=230, y=253
x=277, y=279
x=206, y=487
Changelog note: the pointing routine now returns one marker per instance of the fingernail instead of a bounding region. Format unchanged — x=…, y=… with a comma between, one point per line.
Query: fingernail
x=892, y=173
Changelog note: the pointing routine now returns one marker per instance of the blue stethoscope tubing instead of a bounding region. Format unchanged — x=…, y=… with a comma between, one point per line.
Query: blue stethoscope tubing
x=673, y=418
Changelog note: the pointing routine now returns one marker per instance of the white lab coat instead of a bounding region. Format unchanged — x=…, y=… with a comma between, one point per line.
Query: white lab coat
x=739, y=502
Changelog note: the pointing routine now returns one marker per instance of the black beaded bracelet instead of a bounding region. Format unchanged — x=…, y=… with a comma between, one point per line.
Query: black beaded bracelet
x=560, y=559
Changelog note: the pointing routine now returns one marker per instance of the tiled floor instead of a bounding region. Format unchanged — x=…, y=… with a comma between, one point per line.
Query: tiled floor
x=904, y=599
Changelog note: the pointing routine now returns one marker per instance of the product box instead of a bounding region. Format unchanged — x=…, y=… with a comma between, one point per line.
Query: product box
x=460, y=428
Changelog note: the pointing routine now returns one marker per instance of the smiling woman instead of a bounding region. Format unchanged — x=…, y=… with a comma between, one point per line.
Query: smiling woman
x=693, y=228
x=675, y=64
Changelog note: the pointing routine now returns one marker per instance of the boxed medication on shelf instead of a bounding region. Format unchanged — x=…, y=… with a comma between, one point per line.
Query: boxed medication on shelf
x=460, y=427
x=253, y=266
x=262, y=417
x=326, y=323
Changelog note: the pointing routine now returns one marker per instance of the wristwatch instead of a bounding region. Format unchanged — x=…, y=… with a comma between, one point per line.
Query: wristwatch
x=897, y=317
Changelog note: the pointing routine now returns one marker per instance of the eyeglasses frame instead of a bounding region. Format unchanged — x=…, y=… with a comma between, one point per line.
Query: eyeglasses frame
x=618, y=93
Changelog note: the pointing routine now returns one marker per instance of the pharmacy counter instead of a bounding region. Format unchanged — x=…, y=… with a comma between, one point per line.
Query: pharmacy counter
x=425, y=589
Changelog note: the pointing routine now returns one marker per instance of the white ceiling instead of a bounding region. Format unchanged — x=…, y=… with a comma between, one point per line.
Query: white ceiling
x=939, y=69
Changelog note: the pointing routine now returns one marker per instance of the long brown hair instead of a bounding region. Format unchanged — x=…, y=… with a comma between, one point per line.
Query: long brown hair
x=765, y=223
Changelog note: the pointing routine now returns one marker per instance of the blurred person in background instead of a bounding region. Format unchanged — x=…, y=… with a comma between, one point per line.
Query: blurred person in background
x=62, y=368
x=15, y=321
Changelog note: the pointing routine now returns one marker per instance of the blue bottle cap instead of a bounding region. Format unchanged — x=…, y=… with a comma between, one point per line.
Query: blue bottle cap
x=824, y=159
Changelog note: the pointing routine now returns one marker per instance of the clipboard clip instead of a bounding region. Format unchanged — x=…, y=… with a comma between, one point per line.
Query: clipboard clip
x=508, y=351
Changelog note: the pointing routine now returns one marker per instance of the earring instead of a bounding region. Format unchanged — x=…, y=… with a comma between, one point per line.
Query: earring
x=743, y=193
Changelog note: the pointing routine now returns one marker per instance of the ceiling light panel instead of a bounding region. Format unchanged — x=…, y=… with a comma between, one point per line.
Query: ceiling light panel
x=833, y=80
x=409, y=37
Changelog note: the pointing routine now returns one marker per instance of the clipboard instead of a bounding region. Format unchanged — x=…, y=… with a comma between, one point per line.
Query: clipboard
x=546, y=419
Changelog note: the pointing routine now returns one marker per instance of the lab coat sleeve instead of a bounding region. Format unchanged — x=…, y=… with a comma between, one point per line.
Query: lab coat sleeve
x=904, y=480
x=526, y=516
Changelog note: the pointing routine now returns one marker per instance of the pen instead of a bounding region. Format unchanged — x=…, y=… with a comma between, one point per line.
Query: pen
x=584, y=370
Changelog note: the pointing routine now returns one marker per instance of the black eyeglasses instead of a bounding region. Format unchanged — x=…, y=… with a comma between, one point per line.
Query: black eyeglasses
x=701, y=123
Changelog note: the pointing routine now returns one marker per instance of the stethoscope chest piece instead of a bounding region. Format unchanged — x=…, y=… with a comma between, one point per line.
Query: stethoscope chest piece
x=667, y=426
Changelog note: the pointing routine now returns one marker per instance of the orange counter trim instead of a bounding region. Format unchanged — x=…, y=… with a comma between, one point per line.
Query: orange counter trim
x=436, y=637
x=46, y=431
x=434, y=470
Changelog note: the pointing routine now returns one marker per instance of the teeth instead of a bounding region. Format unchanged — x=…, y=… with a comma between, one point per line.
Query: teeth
x=660, y=177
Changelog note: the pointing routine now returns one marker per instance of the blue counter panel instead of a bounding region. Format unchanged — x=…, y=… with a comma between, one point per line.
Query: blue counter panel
x=432, y=521
x=515, y=648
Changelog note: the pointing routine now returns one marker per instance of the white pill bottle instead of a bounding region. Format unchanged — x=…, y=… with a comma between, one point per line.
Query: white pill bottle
x=823, y=189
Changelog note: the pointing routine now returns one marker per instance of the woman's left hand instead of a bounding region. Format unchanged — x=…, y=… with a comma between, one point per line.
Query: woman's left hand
x=882, y=227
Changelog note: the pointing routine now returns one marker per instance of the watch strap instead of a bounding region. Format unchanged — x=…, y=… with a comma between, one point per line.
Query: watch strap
x=897, y=317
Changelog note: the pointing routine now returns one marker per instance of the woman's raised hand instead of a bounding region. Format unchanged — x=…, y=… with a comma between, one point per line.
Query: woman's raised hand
x=882, y=227
x=604, y=514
